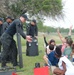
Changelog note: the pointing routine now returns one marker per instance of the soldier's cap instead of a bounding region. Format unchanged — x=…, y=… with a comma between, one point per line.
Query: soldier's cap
x=1, y=19
x=34, y=21
x=25, y=16
x=9, y=17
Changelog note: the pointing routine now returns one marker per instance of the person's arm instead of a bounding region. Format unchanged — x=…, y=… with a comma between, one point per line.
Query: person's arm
x=58, y=71
x=60, y=36
x=20, y=31
x=45, y=40
x=64, y=67
x=70, y=30
x=36, y=31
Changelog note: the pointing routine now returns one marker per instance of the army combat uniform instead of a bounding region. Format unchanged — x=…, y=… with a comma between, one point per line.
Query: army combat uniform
x=9, y=43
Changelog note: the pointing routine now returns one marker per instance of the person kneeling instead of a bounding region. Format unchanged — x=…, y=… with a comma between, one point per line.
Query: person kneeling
x=65, y=65
x=50, y=58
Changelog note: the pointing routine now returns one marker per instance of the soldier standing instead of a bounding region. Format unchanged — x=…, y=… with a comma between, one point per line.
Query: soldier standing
x=32, y=29
x=7, y=23
x=8, y=41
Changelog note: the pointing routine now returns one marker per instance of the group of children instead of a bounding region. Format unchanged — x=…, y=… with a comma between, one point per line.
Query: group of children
x=60, y=56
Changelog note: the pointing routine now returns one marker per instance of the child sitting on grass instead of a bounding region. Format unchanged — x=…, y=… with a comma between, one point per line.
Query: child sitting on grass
x=68, y=49
x=64, y=39
x=50, y=58
x=65, y=65
x=50, y=42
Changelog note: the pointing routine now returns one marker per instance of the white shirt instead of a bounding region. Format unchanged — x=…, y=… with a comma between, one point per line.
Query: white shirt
x=69, y=66
x=48, y=50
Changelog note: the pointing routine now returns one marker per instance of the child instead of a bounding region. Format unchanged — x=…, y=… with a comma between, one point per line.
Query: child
x=65, y=66
x=50, y=58
x=68, y=49
x=51, y=42
x=64, y=39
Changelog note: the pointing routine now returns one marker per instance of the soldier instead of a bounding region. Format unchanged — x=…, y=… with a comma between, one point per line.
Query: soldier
x=8, y=41
x=32, y=47
x=1, y=30
x=32, y=29
x=7, y=23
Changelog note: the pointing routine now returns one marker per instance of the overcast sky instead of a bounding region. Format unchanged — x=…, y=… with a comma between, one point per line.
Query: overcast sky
x=68, y=20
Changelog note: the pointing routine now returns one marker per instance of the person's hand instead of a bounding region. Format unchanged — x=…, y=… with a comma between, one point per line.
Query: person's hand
x=63, y=73
x=71, y=27
x=28, y=38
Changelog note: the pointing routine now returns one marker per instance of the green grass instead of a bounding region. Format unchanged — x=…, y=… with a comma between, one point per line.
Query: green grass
x=29, y=62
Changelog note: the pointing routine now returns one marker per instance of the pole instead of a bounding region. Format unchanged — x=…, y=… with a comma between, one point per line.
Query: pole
x=19, y=50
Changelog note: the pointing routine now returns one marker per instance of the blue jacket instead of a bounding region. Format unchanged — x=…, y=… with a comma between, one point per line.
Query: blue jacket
x=53, y=59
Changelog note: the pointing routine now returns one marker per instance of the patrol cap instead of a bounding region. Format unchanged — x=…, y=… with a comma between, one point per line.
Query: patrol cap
x=9, y=17
x=34, y=21
x=24, y=16
x=1, y=19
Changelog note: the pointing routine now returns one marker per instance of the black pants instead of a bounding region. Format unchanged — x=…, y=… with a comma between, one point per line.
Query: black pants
x=13, y=53
x=9, y=49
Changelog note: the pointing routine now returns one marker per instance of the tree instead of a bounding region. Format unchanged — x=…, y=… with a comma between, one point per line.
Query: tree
x=40, y=8
x=52, y=8
x=5, y=7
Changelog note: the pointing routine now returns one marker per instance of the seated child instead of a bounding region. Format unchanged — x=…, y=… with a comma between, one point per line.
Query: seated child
x=50, y=58
x=68, y=49
x=65, y=65
x=64, y=39
x=50, y=42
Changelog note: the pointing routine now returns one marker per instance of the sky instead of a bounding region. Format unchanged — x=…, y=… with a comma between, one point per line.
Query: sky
x=68, y=19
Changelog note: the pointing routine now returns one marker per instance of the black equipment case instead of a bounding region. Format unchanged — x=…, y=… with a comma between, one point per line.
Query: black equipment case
x=32, y=48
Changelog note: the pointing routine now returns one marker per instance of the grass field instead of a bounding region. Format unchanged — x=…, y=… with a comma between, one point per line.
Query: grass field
x=29, y=62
